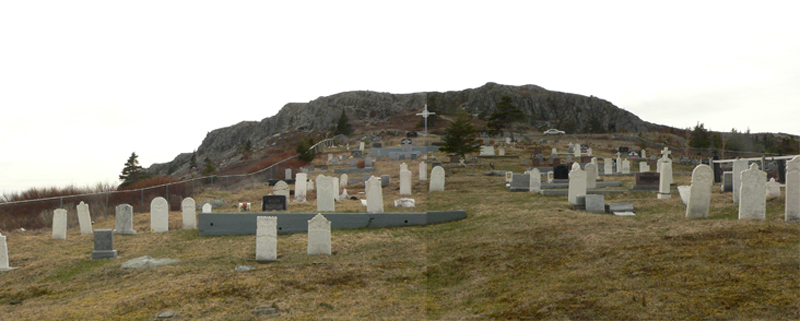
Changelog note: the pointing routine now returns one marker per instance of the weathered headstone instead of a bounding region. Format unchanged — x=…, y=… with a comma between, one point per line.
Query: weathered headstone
x=595, y=203
x=300, y=181
x=727, y=182
x=550, y=177
x=591, y=175
x=4, y=255
x=643, y=167
x=626, y=166
x=753, y=198
x=700, y=192
x=353, y=162
x=792, y=206
x=207, y=208
x=405, y=182
x=274, y=203
x=60, y=224
x=608, y=167
x=104, y=245
x=597, y=168
x=509, y=176
x=330, y=157
x=773, y=188
x=188, y=209
x=423, y=171
x=577, y=184
x=319, y=236
x=520, y=182
x=664, y=191
x=536, y=181
x=159, y=215
x=361, y=146
x=281, y=188
x=368, y=162
x=124, y=219
x=84, y=218
x=335, y=161
x=739, y=165
x=501, y=151
x=374, y=193
x=487, y=151
x=288, y=173
x=437, y=179
x=267, y=238
x=618, y=164
x=385, y=180
x=561, y=172
x=325, y=194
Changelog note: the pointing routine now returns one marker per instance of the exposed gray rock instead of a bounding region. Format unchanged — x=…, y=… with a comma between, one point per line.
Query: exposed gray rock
x=243, y=268
x=166, y=315
x=147, y=262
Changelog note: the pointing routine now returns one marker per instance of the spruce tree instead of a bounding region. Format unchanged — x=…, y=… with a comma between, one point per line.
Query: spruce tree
x=460, y=138
x=132, y=171
x=343, y=126
x=505, y=116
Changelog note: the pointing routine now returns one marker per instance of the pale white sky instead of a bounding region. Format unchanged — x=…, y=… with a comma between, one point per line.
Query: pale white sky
x=85, y=83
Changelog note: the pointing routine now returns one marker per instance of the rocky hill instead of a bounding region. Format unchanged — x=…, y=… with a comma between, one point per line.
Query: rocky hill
x=543, y=109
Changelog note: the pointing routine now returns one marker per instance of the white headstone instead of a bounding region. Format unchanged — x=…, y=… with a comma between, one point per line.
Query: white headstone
x=554, y=151
x=608, y=167
x=664, y=161
x=325, y=194
x=330, y=157
x=437, y=179
x=267, y=238
x=124, y=219
x=487, y=150
x=319, y=236
x=188, y=209
x=577, y=150
x=683, y=191
x=374, y=192
x=664, y=181
x=644, y=156
x=700, y=192
x=343, y=180
x=591, y=175
x=344, y=195
x=405, y=182
x=309, y=185
x=423, y=171
x=501, y=151
x=280, y=188
x=84, y=218
x=596, y=167
x=589, y=151
x=773, y=188
x=643, y=167
x=207, y=208
x=300, y=181
x=619, y=163
x=536, y=180
x=4, y=254
x=403, y=166
x=361, y=146
x=550, y=177
x=577, y=184
x=626, y=166
x=753, y=194
x=792, y=209
x=287, y=173
x=159, y=215
x=739, y=165
x=509, y=176
x=60, y=224
x=508, y=140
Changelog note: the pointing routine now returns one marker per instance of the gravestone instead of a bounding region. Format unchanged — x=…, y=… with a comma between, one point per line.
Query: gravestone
x=647, y=181
x=752, y=194
x=589, y=151
x=569, y=160
x=727, y=182
x=335, y=161
x=595, y=203
x=104, y=245
x=501, y=151
x=403, y=166
x=509, y=176
x=84, y=218
x=423, y=171
x=591, y=175
x=550, y=177
x=664, y=161
x=626, y=166
x=553, y=151
x=330, y=157
x=319, y=236
x=664, y=191
x=325, y=194
x=487, y=151
x=188, y=209
x=700, y=192
x=280, y=188
x=344, y=180
x=577, y=184
x=368, y=162
x=792, y=206
x=361, y=146
x=207, y=208
x=288, y=173
x=300, y=181
x=536, y=181
x=608, y=167
x=684, y=191
x=274, y=203
x=643, y=167
x=773, y=188
x=353, y=162
x=597, y=167
x=618, y=164
x=561, y=172
x=643, y=154
x=60, y=224
x=124, y=219
x=739, y=165
x=520, y=182
x=405, y=182
x=508, y=140
x=577, y=150
x=4, y=255
x=437, y=179
x=267, y=238
x=385, y=180
x=365, y=177
x=374, y=193
x=159, y=215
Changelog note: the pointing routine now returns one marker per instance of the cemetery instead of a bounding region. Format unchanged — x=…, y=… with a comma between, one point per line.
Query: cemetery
x=557, y=234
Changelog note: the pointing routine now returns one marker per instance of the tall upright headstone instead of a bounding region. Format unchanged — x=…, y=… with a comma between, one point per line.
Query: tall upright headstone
x=374, y=193
x=619, y=163
x=405, y=182
x=325, y=194
x=577, y=184
x=596, y=167
x=792, y=209
x=189, y=213
x=60, y=224
x=287, y=173
x=343, y=180
x=664, y=190
x=536, y=180
x=626, y=166
x=4, y=254
x=319, y=236
x=591, y=175
x=608, y=166
x=84, y=218
x=403, y=166
x=159, y=215
x=437, y=179
x=124, y=219
x=577, y=150
x=753, y=194
x=267, y=238
x=700, y=192
x=739, y=165
x=423, y=171
x=300, y=181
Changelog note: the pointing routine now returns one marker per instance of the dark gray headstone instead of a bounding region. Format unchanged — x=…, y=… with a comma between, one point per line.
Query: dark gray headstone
x=353, y=163
x=104, y=244
x=273, y=203
x=727, y=182
x=647, y=178
x=377, y=145
x=595, y=203
x=561, y=172
x=385, y=180
x=520, y=182
x=367, y=161
x=365, y=177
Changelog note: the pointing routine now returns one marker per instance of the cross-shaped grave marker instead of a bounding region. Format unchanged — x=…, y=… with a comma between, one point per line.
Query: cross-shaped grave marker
x=425, y=113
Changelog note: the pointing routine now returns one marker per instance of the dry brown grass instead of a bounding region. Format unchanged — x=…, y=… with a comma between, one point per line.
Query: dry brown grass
x=517, y=256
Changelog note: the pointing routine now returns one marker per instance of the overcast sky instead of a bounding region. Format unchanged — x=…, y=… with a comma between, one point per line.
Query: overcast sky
x=85, y=83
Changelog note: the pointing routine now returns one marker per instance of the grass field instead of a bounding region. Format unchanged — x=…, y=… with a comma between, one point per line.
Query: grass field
x=517, y=256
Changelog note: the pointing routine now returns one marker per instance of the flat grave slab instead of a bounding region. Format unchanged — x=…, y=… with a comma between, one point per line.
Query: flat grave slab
x=566, y=185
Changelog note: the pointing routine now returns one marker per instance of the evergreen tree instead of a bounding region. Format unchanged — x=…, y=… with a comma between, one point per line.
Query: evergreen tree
x=132, y=171
x=505, y=116
x=304, y=149
x=343, y=126
x=193, y=160
x=699, y=137
x=210, y=168
x=460, y=137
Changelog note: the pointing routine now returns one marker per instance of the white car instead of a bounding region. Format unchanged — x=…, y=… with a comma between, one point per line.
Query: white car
x=554, y=132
